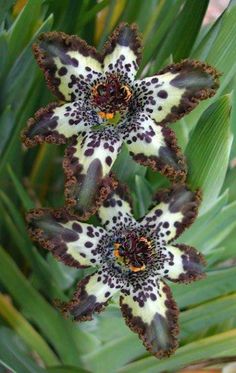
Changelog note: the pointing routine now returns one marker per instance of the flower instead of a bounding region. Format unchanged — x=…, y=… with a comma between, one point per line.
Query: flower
x=103, y=107
x=131, y=257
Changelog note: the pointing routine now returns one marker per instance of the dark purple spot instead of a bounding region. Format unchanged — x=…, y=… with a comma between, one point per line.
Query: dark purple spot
x=77, y=227
x=158, y=212
x=88, y=244
x=108, y=160
x=74, y=62
x=62, y=71
x=162, y=94
x=89, y=152
x=153, y=297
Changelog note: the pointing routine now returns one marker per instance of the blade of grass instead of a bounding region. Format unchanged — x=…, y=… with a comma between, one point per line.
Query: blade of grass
x=22, y=193
x=163, y=23
x=23, y=328
x=208, y=151
x=48, y=320
x=223, y=344
x=221, y=53
x=15, y=355
x=217, y=283
x=178, y=42
x=24, y=26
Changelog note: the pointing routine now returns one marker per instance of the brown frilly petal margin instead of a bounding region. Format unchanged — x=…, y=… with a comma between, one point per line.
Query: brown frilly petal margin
x=190, y=98
x=49, y=135
x=74, y=183
x=174, y=169
x=125, y=35
x=57, y=246
x=66, y=43
x=122, y=191
x=193, y=263
x=137, y=325
x=83, y=305
x=188, y=206
x=104, y=188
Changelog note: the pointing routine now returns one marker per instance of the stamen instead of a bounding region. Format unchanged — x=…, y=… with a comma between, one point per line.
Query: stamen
x=128, y=93
x=111, y=97
x=146, y=241
x=137, y=269
x=104, y=115
x=116, y=250
x=133, y=253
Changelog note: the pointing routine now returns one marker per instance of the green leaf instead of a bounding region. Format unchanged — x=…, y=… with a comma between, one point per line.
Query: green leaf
x=4, y=365
x=142, y=196
x=7, y=121
x=16, y=228
x=22, y=193
x=26, y=331
x=223, y=344
x=66, y=369
x=15, y=355
x=5, y=6
x=30, y=97
x=233, y=122
x=3, y=49
x=114, y=354
x=178, y=42
x=199, y=320
x=217, y=283
x=222, y=53
x=208, y=151
x=213, y=231
x=200, y=223
x=23, y=72
x=93, y=11
x=64, y=275
x=24, y=26
x=125, y=168
x=219, y=49
x=47, y=319
x=157, y=32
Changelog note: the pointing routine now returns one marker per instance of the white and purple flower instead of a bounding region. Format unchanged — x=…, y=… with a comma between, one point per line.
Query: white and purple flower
x=102, y=107
x=131, y=257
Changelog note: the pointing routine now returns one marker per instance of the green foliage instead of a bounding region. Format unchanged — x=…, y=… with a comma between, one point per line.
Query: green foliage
x=34, y=337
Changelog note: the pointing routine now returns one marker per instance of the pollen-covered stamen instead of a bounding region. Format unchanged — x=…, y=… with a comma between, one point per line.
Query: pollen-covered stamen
x=133, y=252
x=111, y=96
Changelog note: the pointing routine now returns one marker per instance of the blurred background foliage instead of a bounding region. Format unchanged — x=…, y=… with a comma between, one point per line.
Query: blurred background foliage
x=34, y=337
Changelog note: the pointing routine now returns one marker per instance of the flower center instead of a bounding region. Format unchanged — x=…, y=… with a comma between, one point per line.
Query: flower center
x=133, y=252
x=110, y=97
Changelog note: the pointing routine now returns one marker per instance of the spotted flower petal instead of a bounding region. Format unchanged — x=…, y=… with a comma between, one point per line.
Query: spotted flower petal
x=74, y=243
x=154, y=145
x=176, y=90
x=57, y=123
x=150, y=311
x=116, y=211
x=133, y=258
x=69, y=64
x=122, y=52
x=92, y=295
x=176, y=210
x=100, y=90
x=181, y=263
x=87, y=166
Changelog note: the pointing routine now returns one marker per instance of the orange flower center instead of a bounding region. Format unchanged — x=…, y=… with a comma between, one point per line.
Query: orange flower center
x=133, y=253
x=110, y=97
